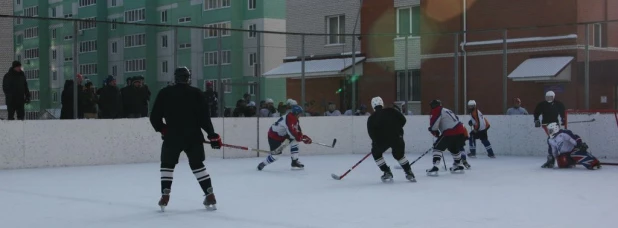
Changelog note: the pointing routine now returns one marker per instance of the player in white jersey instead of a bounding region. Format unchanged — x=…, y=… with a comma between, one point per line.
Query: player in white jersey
x=287, y=127
x=569, y=149
x=451, y=134
x=479, y=125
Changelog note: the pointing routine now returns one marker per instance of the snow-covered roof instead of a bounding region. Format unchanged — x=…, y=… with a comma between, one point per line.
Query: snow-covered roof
x=546, y=68
x=3, y=107
x=322, y=67
x=520, y=40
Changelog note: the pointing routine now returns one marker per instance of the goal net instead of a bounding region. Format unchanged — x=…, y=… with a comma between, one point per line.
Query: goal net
x=598, y=129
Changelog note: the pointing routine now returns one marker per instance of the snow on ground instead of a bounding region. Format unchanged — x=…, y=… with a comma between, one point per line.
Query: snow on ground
x=504, y=192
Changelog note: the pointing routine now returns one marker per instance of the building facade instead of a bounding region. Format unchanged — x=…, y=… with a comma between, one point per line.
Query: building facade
x=551, y=56
x=126, y=50
x=6, y=37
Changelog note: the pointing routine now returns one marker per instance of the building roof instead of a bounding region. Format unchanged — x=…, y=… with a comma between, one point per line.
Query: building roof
x=540, y=69
x=313, y=68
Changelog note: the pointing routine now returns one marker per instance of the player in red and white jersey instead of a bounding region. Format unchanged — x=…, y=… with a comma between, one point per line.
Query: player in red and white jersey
x=287, y=127
x=451, y=134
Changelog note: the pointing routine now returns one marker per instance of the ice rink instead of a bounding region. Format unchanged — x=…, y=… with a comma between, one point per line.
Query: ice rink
x=507, y=192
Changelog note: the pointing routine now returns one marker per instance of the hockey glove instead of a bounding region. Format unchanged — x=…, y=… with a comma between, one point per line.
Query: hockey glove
x=470, y=123
x=537, y=123
x=435, y=133
x=215, y=141
x=163, y=131
x=582, y=147
x=306, y=139
x=563, y=122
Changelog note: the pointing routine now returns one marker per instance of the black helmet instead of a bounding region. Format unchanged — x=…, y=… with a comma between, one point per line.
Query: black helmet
x=129, y=80
x=435, y=103
x=182, y=75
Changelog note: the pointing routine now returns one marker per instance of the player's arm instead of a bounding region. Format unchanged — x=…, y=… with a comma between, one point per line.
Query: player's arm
x=401, y=118
x=434, y=121
x=204, y=114
x=290, y=123
x=156, y=115
x=538, y=111
x=371, y=128
x=475, y=116
x=562, y=112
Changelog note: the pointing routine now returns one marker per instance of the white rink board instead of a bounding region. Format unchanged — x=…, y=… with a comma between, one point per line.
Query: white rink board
x=52, y=143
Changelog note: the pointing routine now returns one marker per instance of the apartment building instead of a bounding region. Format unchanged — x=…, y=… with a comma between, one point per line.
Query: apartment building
x=126, y=50
x=6, y=37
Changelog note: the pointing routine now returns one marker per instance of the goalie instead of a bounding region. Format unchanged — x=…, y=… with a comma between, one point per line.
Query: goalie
x=568, y=149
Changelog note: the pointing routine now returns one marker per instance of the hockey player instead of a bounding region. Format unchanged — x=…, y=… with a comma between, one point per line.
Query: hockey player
x=569, y=150
x=479, y=125
x=185, y=111
x=385, y=127
x=287, y=127
x=549, y=110
x=451, y=134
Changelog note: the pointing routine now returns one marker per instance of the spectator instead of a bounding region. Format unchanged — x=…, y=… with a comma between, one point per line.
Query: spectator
x=362, y=111
x=289, y=103
x=332, y=111
x=133, y=99
x=251, y=110
x=395, y=106
x=212, y=99
x=90, y=101
x=248, y=101
x=124, y=90
x=66, y=99
x=16, y=91
x=240, y=110
x=517, y=109
x=281, y=109
x=145, y=94
x=268, y=110
x=110, y=100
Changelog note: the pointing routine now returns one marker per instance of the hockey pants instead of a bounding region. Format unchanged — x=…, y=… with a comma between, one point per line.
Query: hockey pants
x=274, y=144
x=482, y=135
x=398, y=150
x=584, y=158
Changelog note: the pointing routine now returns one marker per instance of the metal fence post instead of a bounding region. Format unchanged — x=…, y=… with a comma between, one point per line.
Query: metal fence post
x=406, y=80
x=504, y=71
x=302, y=71
x=258, y=85
x=219, y=82
x=456, y=72
x=354, y=78
x=75, y=68
x=587, y=68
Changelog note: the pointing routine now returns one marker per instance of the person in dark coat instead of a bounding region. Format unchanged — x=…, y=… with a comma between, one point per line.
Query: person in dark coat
x=67, y=99
x=125, y=102
x=133, y=98
x=90, y=101
x=110, y=100
x=144, y=95
x=212, y=99
x=16, y=91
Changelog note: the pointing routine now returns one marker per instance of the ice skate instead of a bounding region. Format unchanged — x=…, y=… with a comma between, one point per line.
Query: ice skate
x=165, y=198
x=491, y=155
x=387, y=176
x=261, y=166
x=472, y=155
x=550, y=162
x=433, y=171
x=466, y=164
x=410, y=176
x=457, y=168
x=210, y=202
x=297, y=165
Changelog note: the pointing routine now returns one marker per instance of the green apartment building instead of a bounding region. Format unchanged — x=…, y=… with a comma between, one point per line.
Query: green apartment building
x=45, y=47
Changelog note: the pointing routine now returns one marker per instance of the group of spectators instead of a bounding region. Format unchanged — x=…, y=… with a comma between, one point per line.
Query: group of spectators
x=107, y=102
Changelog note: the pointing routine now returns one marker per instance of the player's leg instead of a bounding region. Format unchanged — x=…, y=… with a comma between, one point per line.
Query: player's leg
x=196, y=156
x=294, y=150
x=400, y=155
x=586, y=159
x=464, y=159
x=484, y=139
x=454, y=147
x=273, y=144
x=550, y=159
x=472, y=142
x=377, y=152
x=169, y=159
x=439, y=147
x=564, y=160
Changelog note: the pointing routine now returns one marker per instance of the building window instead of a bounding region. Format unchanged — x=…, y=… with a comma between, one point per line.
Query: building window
x=598, y=35
x=30, y=33
x=68, y=15
x=135, y=65
x=253, y=28
x=184, y=46
x=31, y=53
x=227, y=88
x=68, y=37
x=210, y=58
x=409, y=21
x=19, y=38
x=216, y=4
x=19, y=58
x=414, y=85
x=54, y=75
x=164, y=67
x=212, y=33
x=19, y=21
x=252, y=4
x=88, y=69
x=214, y=84
x=32, y=115
x=88, y=46
x=84, y=3
x=113, y=25
x=84, y=25
x=53, y=11
x=114, y=3
x=114, y=70
x=251, y=88
x=252, y=59
x=68, y=59
x=135, y=15
x=31, y=74
x=114, y=47
x=54, y=97
x=164, y=41
x=34, y=95
x=31, y=11
x=135, y=40
x=226, y=57
x=54, y=54
x=53, y=33
x=164, y=16
x=184, y=19
x=18, y=2
x=335, y=25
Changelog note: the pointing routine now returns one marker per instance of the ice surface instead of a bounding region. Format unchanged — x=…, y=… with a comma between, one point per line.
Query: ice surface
x=504, y=192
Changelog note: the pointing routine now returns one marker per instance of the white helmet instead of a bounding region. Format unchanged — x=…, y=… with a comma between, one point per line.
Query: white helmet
x=291, y=102
x=376, y=101
x=549, y=96
x=269, y=101
x=553, y=129
x=472, y=103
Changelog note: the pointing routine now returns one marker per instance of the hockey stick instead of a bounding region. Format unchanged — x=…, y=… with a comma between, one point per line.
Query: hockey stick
x=326, y=145
x=419, y=158
x=334, y=176
x=279, y=150
x=582, y=121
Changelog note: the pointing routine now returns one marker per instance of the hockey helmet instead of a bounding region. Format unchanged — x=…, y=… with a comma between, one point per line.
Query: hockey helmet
x=377, y=101
x=472, y=103
x=552, y=129
x=182, y=75
x=550, y=96
x=296, y=110
x=435, y=103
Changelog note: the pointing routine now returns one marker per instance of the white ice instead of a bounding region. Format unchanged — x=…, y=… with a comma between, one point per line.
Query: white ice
x=496, y=193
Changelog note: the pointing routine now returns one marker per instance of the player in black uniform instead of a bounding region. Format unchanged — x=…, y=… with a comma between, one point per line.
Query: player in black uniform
x=549, y=109
x=185, y=111
x=385, y=127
